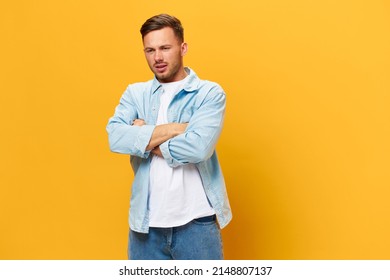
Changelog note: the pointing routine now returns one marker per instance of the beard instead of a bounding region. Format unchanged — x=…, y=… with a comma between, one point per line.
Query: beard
x=170, y=74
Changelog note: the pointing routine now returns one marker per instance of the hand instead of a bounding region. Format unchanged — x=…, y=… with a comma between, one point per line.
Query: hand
x=180, y=128
x=156, y=151
x=139, y=122
x=184, y=126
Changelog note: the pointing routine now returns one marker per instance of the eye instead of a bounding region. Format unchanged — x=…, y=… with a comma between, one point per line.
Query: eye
x=166, y=48
x=149, y=51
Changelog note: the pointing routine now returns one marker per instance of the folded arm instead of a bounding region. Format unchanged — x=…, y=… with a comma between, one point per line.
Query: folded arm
x=198, y=142
x=128, y=134
x=164, y=132
x=123, y=137
x=161, y=133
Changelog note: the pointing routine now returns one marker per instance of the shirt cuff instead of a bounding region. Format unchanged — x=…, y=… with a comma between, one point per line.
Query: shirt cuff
x=164, y=148
x=143, y=138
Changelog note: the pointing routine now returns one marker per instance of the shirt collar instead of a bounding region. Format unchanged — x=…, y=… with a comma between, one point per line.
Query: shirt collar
x=191, y=84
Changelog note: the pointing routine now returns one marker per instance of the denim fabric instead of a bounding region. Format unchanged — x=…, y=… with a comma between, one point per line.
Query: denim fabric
x=200, y=239
x=201, y=104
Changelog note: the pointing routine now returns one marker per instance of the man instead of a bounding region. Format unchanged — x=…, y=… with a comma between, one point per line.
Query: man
x=170, y=126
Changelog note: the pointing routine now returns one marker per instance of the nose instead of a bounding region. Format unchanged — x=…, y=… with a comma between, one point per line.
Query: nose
x=158, y=56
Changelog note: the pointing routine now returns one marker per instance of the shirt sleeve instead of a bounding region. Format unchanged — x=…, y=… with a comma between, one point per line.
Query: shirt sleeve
x=198, y=142
x=124, y=138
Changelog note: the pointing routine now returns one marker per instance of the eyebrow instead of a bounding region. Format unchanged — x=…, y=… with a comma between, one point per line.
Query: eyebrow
x=160, y=47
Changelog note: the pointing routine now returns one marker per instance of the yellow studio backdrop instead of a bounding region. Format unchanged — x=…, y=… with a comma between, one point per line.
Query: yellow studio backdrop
x=305, y=147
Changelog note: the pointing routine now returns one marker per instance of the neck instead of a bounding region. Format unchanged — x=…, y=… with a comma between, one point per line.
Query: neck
x=181, y=75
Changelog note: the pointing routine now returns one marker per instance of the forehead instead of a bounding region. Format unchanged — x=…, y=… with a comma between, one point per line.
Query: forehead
x=164, y=36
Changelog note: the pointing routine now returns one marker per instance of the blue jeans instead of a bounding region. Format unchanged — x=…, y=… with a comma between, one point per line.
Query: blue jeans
x=200, y=239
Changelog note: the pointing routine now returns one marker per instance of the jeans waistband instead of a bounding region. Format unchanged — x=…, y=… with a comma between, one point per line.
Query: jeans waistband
x=206, y=219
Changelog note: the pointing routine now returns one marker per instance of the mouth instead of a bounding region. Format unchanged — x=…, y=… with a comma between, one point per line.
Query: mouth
x=160, y=67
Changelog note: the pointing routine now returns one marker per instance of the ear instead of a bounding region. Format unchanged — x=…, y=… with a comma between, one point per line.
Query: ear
x=184, y=48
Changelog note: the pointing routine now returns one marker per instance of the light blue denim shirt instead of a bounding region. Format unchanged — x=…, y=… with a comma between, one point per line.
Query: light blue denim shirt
x=201, y=104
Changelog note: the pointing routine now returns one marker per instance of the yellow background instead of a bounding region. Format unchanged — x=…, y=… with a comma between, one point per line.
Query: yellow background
x=305, y=148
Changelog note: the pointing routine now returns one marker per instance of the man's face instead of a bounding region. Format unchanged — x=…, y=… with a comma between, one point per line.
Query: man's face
x=164, y=54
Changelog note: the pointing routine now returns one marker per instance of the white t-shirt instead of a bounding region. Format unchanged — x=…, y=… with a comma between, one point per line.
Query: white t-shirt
x=176, y=195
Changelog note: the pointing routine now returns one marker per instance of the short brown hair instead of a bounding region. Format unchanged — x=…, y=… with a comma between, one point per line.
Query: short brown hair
x=161, y=21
